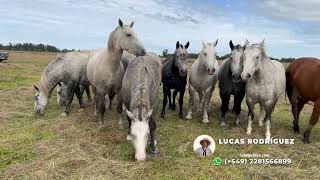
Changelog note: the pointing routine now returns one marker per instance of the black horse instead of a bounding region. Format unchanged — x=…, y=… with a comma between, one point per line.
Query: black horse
x=174, y=76
x=230, y=82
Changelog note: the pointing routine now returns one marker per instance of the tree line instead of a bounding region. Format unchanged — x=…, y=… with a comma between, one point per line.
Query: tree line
x=165, y=54
x=32, y=47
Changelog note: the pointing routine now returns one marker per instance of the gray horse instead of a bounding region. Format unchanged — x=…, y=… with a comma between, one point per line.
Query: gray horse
x=266, y=82
x=203, y=78
x=230, y=82
x=140, y=94
x=70, y=69
x=105, y=70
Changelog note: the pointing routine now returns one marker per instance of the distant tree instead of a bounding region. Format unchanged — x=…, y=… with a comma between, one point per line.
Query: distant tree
x=31, y=47
x=165, y=53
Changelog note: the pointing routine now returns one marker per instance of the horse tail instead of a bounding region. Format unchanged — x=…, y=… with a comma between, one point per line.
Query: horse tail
x=289, y=87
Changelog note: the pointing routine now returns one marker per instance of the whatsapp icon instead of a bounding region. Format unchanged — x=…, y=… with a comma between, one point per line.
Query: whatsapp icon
x=217, y=161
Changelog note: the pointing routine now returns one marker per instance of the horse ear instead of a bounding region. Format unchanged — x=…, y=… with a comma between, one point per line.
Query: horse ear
x=246, y=43
x=149, y=114
x=231, y=45
x=130, y=115
x=187, y=45
x=262, y=44
x=177, y=45
x=131, y=24
x=203, y=44
x=215, y=43
x=120, y=22
x=36, y=88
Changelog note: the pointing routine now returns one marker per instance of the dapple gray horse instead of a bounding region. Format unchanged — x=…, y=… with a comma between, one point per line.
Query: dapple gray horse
x=71, y=69
x=203, y=78
x=140, y=94
x=266, y=82
x=105, y=70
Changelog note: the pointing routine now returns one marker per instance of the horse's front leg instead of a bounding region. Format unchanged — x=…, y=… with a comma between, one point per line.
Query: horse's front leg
x=70, y=94
x=165, y=101
x=175, y=92
x=237, y=106
x=153, y=140
x=313, y=121
x=250, y=105
x=170, y=101
x=87, y=89
x=268, y=107
x=200, y=104
x=79, y=93
x=206, y=101
x=101, y=100
x=119, y=109
x=95, y=98
x=181, y=102
x=225, y=98
x=191, y=101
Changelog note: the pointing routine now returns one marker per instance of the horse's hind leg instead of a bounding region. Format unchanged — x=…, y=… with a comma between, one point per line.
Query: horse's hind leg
x=313, y=120
x=111, y=97
x=181, y=102
x=170, y=101
x=191, y=101
x=250, y=105
x=79, y=92
x=70, y=94
x=296, y=113
x=174, y=95
x=153, y=140
x=165, y=101
x=119, y=109
x=87, y=89
x=225, y=98
x=102, y=107
x=237, y=106
x=261, y=116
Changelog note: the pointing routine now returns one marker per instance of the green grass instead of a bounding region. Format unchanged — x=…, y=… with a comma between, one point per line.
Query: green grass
x=55, y=147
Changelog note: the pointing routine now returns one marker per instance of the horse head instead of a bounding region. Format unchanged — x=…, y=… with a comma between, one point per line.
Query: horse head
x=180, y=58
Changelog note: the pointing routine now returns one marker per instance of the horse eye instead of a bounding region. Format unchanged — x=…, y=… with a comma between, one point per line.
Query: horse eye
x=129, y=35
x=205, y=54
x=257, y=57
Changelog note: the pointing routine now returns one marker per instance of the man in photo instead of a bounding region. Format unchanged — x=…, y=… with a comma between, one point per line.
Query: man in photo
x=204, y=150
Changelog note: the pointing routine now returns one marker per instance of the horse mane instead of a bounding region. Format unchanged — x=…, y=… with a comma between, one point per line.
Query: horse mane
x=112, y=40
x=141, y=98
x=44, y=83
x=263, y=52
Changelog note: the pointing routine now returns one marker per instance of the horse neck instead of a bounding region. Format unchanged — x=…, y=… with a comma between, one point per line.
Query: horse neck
x=264, y=68
x=202, y=68
x=49, y=80
x=174, y=68
x=114, y=58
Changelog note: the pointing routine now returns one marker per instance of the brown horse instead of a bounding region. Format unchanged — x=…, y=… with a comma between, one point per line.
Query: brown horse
x=303, y=85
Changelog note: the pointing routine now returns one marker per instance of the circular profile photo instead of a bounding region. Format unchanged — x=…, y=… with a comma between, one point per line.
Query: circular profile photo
x=204, y=146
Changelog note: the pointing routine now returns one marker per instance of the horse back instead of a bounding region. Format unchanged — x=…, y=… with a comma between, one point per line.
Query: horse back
x=301, y=74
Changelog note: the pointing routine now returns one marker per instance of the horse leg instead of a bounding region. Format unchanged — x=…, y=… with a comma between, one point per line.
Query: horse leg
x=119, y=109
x=165, y=101
x=102, y=108
x=225, y=98
x=191, y=101
x=250, y=105
x=206, y=101
x=200, y=93
x=87, y=89
x=313, y=120
x=79, y=92
x=170, y=102
x=129, y=129
x=261, y=116
x=268, y=107
x=237, y=105
x=111, y=97
x=70, y=94
x=294, y=108
x=94, y=91
x=153, y=141
x=181, y=102
x=175, y=92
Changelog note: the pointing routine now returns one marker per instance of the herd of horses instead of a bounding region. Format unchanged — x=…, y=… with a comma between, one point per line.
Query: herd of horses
x=126, y=71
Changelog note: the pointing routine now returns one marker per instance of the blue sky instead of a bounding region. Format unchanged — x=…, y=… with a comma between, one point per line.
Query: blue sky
x=291, y=28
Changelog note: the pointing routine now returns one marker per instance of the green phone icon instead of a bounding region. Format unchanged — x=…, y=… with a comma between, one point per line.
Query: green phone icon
x=217, y=161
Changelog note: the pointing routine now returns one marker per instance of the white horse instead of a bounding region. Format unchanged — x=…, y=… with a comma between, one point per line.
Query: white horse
x=105, y=70
x=203, y=78
x=266, y=82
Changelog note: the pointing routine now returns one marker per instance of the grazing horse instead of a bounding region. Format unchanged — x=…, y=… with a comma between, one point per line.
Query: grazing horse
x=265, y=83
x=203, y=78
x=230, y=82
x=301, y=87
x=174, y=76
x=140, y=87
x=105, y=70
x=62, y=90
x=70, y=69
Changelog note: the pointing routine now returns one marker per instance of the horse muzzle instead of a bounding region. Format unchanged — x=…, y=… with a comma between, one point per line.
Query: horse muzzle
x=211, y=71
x=245, y=76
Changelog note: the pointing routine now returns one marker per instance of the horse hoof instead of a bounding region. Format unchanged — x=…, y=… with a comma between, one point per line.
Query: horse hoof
x=162, y=116
x=80, y=110
x=222, y=124
x=205, y=121
x=296, y=129
x=180, y=115
x=64, y=114
x=268, y=137
x=305, y=139
x=248, y=132
x=155, y=154
x=129, y=137
x=188, y=116
x=173, y=108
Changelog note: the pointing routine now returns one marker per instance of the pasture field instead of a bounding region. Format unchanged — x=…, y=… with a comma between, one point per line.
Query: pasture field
x=55, y=147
